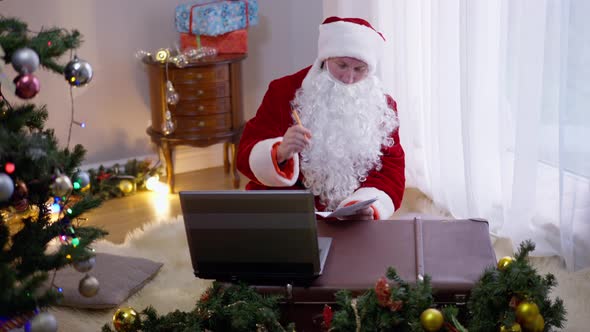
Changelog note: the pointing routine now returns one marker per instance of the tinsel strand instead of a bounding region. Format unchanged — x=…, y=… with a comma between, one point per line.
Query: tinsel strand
x=356, y=315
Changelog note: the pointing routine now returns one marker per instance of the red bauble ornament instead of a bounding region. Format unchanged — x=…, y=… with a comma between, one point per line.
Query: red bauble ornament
x=27, y=86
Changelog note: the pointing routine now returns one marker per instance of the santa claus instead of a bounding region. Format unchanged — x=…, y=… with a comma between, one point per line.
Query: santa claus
x=330, y=128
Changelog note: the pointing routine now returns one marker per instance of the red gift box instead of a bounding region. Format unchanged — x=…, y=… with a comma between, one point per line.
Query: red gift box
x=231, y=42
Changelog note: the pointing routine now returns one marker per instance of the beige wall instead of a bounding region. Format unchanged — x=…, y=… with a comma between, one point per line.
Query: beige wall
x=115, y=105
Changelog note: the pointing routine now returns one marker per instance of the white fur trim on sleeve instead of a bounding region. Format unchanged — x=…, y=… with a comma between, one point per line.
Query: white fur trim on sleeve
x=263, y=167
x=383, y=205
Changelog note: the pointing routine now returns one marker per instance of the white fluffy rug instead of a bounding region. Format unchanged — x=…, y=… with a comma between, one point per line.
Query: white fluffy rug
x=175, y=286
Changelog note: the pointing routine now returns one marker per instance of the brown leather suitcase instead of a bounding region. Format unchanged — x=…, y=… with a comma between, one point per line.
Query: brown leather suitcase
x=454, y=253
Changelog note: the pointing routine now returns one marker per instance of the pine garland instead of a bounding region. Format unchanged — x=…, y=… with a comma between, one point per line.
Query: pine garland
x=392, y=305
x=236, y=308
x=105, y=182
x=498, y=293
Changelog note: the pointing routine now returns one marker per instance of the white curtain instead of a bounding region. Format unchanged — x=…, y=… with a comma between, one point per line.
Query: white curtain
x=494, y=104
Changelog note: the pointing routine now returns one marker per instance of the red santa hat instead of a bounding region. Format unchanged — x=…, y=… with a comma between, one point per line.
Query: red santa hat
x=348, y=37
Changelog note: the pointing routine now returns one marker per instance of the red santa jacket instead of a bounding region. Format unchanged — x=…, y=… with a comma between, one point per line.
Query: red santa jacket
x=262, y=134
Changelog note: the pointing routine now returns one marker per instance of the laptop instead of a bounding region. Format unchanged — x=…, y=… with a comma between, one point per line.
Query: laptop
x=259, y=237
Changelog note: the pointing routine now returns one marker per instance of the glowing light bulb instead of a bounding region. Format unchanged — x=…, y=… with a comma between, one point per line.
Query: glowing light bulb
x=152, y=182
x=9, y=168
x=55, y=208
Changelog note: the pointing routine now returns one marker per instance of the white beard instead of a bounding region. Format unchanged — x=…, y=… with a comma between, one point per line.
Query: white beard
x=349, y=125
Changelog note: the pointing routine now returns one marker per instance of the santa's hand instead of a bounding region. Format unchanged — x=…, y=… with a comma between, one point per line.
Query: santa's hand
x=362, y=214
x=296, y=139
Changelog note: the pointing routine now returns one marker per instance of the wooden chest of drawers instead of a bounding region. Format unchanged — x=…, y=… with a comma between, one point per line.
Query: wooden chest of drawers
x=209, y=109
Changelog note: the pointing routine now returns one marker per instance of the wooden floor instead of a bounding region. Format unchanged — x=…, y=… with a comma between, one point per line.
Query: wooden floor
x=120, y=215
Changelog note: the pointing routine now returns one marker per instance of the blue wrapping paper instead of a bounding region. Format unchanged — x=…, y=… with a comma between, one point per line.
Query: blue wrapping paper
x=216, y=17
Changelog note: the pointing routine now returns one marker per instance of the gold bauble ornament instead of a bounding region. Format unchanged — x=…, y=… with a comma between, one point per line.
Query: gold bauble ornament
x=162, y=55
x=504, y=262
x=513, y=328
x=126, y=186
x=536, y=324
x=432, y=320
x=526, y=312
x=124, y=319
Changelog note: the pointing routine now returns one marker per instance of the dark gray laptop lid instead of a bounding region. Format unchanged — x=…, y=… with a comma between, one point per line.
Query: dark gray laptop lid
x=234, y=234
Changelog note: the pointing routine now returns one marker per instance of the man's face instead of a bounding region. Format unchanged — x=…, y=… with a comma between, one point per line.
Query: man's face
x=347, y=70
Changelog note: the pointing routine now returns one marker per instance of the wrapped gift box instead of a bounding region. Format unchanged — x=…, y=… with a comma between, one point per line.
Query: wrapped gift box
x=216, y=17
x=231, y=42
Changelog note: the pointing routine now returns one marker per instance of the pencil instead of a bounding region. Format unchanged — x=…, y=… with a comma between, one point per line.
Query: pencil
x=296, y=116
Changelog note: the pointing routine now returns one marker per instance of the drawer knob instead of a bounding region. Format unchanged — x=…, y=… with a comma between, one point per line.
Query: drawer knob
x=199, y=76
x=200, y=92
x=201, y=123
x=201, y=108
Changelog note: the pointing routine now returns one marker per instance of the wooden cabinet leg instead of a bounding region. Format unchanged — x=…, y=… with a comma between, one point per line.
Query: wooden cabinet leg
x=226, y=157
x=234, y=166
x=167, y=150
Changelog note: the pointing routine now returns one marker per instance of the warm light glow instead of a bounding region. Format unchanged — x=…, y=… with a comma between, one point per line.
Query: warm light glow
x=160, y=204
x=150, y=184
x=68, y=256
x=160, y=198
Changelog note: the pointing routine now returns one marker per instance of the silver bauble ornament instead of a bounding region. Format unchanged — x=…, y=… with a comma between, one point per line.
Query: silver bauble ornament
x=85, y=266
x=43, y=322
x=88, y=286
x=82, y=178
x=62, y=186
x=25, y=60
x=78, y=72
x=6, y=187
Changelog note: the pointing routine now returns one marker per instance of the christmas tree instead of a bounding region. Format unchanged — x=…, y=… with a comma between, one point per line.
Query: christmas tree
x=41, y=188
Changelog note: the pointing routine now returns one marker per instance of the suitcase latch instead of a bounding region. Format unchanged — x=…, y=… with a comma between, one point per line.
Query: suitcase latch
x=289, y=291
x=460, y=299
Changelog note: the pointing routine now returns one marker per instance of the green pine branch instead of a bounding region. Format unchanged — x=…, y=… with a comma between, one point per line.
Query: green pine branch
x=49, y=44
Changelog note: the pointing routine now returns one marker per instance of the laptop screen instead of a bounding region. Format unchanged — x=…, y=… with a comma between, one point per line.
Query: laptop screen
x=251, y=235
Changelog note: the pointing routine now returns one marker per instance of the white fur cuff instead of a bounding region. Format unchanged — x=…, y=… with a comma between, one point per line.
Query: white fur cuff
x=263, y=167
x=384, y=205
